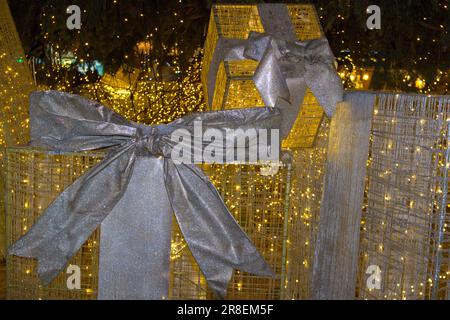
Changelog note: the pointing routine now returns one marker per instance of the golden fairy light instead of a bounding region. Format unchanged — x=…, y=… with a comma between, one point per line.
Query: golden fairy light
x=419, y=83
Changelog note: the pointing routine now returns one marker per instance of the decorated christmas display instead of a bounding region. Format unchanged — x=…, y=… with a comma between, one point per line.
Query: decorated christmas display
x=161, y=150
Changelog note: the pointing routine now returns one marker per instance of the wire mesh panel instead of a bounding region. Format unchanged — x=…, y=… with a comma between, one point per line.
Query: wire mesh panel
x=234, y=86
x=34, y=179
x=405, y=238
x=258, y=202
x=307, y=189
x=186, y=279
x=15, y=82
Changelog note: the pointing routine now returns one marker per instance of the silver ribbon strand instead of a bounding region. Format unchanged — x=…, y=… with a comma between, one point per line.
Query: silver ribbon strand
x=117, y=192
x=287, y=67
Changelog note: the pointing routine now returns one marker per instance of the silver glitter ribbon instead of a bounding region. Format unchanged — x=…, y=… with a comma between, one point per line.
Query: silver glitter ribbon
x=132, y=194
x=287, y=66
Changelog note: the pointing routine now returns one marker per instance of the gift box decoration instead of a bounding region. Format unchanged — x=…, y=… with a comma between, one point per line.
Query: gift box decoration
x=404, y=249
x=292, y=246
x=396, y=246
x=120, y=190
x=258, y=202
x=233, y=69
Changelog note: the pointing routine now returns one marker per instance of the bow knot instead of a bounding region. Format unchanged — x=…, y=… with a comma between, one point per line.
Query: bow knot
x=148, y=141
x=256, y=45
x=296, y=57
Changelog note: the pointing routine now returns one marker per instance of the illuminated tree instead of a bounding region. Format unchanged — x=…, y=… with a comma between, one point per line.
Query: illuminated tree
x=411, y=46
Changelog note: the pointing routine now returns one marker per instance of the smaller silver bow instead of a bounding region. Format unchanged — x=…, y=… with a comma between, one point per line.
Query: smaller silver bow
x=285, y=70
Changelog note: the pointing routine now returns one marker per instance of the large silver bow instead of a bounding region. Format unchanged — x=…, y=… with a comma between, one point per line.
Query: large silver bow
x=287, y=66
x=132, y=193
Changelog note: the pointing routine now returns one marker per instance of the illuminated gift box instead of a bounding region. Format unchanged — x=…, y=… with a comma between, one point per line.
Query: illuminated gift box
x=260, y=203
x=234, y=86
x=405, y=236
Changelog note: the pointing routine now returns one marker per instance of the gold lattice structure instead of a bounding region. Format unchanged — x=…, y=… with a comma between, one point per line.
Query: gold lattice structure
x=260, y=206
x=15, y=85
x=234, y=85
x=258, y=202
x=406, y=213
x=33, y=180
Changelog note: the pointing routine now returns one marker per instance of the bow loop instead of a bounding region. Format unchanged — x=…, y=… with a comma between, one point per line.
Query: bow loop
x=256, y=45
x=293, y=52
x=319, y=51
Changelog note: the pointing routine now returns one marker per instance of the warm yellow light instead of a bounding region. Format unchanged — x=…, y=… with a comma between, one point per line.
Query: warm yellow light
x=420, y=83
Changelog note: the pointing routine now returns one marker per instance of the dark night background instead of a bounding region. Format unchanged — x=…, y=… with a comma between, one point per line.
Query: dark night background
x=413, y=39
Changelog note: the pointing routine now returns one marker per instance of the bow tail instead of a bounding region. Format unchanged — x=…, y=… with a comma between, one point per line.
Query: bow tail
x=326, y=86
x=215, y=239
x=290, y=109
x=72, y=217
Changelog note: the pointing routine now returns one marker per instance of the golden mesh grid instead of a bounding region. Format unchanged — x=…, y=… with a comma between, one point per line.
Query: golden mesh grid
x=303, y=133
x=236, y=99
x=15, y=82
x=35, y=178
x=186, y=279
x=221, y=86
x=234, y=85
x=258, y=203
x=305, y=20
